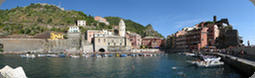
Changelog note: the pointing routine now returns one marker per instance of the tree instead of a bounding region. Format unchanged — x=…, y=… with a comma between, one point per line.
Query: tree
x=1, y=47
x=228, y=27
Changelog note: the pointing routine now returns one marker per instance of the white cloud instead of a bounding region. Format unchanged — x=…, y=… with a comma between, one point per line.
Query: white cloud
x=188, y=23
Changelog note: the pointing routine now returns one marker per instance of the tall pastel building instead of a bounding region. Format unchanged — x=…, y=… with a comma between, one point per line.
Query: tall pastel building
x=122, y=28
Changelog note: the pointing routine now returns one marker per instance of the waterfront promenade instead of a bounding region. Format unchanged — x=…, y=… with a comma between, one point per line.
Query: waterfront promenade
x=249, y=62
x=245, y=66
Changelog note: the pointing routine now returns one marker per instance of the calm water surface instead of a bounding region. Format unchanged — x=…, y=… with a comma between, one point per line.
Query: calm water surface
x=116, y=67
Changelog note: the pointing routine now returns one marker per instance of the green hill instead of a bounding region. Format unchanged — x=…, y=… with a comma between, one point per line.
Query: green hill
x=134, y=27
x=38, y=18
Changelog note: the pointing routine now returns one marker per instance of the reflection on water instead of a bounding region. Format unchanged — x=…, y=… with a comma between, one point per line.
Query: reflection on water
x=116, y=67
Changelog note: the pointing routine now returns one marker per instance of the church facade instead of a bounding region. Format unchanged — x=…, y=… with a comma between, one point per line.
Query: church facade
x=111, y=41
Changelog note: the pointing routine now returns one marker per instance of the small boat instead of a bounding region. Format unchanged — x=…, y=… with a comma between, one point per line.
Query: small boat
x=110, y=55
x=28, y=56
x=189, y=54
x=52, y=55
x=174, y=68
x=154, y=54
x=123, y=55
x=41, y=55
x=208, y=61
x=105, y=55
x=85, y=55
x=133, y=55
x=147, y=55
x=140, y=54
x=74, y=56
x=117, y=55
x=62, y=55
x=98, y=56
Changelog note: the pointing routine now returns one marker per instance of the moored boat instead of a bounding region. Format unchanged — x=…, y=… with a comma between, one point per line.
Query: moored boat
x=28, y=56
x=110, y=55
x=208, y=61
x=123, y=55
x=52, y=55
x=98, y=56
x=74, y=56
x=41, y=55
x=62, y=55
x=133, y=55
x=85, y=55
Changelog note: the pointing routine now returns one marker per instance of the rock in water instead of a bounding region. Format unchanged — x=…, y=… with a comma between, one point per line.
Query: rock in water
x=8, y=72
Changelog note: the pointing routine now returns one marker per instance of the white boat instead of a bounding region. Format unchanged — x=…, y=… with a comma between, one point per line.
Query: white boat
x=41, y=55
x=28, y=56
x=98, y=56
x=52, y=55
x=74, y=56
x=155, y=54
x=106, y=55
x=189, y=54
x=174, y=68
x=208, y=62
x=85, y=55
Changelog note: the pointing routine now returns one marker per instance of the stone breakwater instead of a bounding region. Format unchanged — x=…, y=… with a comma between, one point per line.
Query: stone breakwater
x=21, y=45
x=245, y=66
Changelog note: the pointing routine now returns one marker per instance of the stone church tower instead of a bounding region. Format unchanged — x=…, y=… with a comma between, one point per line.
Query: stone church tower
x=122, y=28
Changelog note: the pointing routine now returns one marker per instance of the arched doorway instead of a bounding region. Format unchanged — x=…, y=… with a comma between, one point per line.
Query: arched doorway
x=116, y=32
x=101, y=50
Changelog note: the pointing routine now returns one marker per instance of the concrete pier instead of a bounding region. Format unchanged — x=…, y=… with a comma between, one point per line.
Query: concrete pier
x=245, y=66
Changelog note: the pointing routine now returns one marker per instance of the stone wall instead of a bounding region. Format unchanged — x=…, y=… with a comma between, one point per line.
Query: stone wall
x=68, y=45
x=23, y=45
x=249, y=50
x=40, y=45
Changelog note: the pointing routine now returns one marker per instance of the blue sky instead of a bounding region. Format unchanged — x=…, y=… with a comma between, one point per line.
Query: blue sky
x=166, y=16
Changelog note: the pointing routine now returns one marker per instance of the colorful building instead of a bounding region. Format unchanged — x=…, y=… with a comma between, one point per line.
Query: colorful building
x=73, y=29
x=106, y=41
x=204, y=35
x=81, y=23
x=102, y=20
x=56, y=36
x=152, y=42
x=135, y=39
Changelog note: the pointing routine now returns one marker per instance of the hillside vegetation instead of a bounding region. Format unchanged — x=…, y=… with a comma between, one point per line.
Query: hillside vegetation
x=38, y=18
x=135, y=27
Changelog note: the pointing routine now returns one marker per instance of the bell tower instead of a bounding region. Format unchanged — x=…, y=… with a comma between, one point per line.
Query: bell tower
x=122, y=28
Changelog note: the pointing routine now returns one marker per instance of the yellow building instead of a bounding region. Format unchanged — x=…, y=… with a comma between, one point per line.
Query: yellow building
x=56, y=36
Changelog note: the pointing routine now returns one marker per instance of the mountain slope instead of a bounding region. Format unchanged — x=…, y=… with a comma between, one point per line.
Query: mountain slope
x=38, y=18
x=134, y=27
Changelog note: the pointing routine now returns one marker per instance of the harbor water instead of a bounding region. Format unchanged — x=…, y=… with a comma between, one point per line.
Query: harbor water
x=164, y=66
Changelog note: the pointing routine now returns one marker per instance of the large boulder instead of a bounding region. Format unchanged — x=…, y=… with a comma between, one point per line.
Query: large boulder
x=9, y=72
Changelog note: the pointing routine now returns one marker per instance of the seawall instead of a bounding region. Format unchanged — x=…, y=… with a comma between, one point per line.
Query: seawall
x=246, y=67
x=23, y=45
